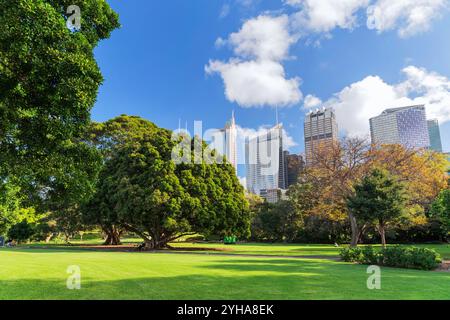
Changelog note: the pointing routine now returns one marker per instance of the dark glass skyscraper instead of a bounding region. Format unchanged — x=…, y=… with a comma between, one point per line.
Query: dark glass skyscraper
x=435, y=135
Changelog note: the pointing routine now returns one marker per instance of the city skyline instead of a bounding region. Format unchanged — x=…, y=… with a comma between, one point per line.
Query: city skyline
x=382, y=69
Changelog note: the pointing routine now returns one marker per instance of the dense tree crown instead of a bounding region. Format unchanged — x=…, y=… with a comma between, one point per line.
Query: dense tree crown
x=143, y=190
x=49, y=79
x=380, y=199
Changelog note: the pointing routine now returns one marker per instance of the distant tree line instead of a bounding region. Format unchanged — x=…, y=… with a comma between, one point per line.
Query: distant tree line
x=357, y=192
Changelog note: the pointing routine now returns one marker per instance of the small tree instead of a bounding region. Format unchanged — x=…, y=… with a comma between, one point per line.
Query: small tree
x=440, y=209
x=379, y=199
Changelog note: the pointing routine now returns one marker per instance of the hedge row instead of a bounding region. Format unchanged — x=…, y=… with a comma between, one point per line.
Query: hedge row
x=395, y=256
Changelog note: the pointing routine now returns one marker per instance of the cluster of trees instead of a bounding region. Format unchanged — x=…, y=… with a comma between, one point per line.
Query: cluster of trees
x=49, y=80
x=60, y=173
x=360, y=192
x=139, y=189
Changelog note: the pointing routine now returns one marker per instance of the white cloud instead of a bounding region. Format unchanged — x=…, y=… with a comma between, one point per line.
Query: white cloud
x=322, y=16
x=243, y=181
x=224, y=11
x=311, y=101
x=408, y=16
x=256, y=83
x=256, y=76
x=265, y=38
x=362, y=100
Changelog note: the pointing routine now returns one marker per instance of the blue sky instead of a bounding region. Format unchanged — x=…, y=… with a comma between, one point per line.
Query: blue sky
x=154, y=66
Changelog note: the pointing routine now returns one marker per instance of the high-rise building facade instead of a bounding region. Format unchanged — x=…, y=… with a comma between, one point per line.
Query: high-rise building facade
x=225, y=142
x=435, y=135
x=406, y=126
x=294, y=166
x=321, y=132
x=265, y=161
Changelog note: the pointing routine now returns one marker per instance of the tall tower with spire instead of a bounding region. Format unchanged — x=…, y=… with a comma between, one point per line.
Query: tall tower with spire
x=231, y=141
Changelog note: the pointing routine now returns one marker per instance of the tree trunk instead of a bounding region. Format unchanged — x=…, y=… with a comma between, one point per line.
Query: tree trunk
x=48, y=238
x=355, y=230
x=382, y=232
x=156, y=244
x=112, y=237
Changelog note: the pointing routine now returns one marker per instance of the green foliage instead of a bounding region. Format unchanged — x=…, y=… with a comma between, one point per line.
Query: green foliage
x=440, y=209
x=141, y=189
x=21, y=232
x=277, y=222
x=319, y=229
x=411, y=258
x=351, y=254
x=395, y=256
x=49, y=80
x=9, y=206
x=378, y=199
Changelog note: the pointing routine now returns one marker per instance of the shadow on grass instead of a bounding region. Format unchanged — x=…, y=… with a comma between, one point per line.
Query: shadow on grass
x=304, y=284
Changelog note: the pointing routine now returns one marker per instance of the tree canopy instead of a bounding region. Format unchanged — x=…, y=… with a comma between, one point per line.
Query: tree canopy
x=49, y=80
x=143, y=190
x=379, y=198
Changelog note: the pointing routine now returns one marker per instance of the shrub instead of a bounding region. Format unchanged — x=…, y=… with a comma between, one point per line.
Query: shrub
x=351, y=254
x=411, y=258
x=370, y=256
x=396, y=256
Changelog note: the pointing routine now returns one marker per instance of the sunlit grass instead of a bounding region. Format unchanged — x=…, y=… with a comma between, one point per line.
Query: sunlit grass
x=41, y=274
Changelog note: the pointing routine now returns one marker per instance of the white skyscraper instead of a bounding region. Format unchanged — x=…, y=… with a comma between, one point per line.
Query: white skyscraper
x=230, y=133
x=265, y=161
x=225, y=142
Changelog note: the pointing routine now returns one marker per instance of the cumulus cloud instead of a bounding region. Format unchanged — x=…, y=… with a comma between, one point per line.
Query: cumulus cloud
x=408, y=16
x=256, y=83
x=311, y=101
x=255, y=77
x=322, y=16
x=362, y=100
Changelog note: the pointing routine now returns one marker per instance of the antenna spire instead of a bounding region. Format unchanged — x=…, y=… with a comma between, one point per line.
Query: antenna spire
x=276, y=111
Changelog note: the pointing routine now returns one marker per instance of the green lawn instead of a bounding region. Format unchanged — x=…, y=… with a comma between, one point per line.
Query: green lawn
x=41, y=274
x=294, y=249
x=303, y=250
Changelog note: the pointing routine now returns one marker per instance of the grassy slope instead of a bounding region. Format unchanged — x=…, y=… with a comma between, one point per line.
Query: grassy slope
x=41, y=274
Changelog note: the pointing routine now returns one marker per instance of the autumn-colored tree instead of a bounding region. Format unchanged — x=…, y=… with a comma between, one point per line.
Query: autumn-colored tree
x=423, y=171
x=335, y=168
x=330, y=178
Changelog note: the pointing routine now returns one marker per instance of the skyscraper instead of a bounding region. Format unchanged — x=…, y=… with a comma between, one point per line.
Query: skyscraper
x=225, y=141
x=265, y=161
x=294, y=166
x=435, y=135
x=406, y=126
x=321, y=131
